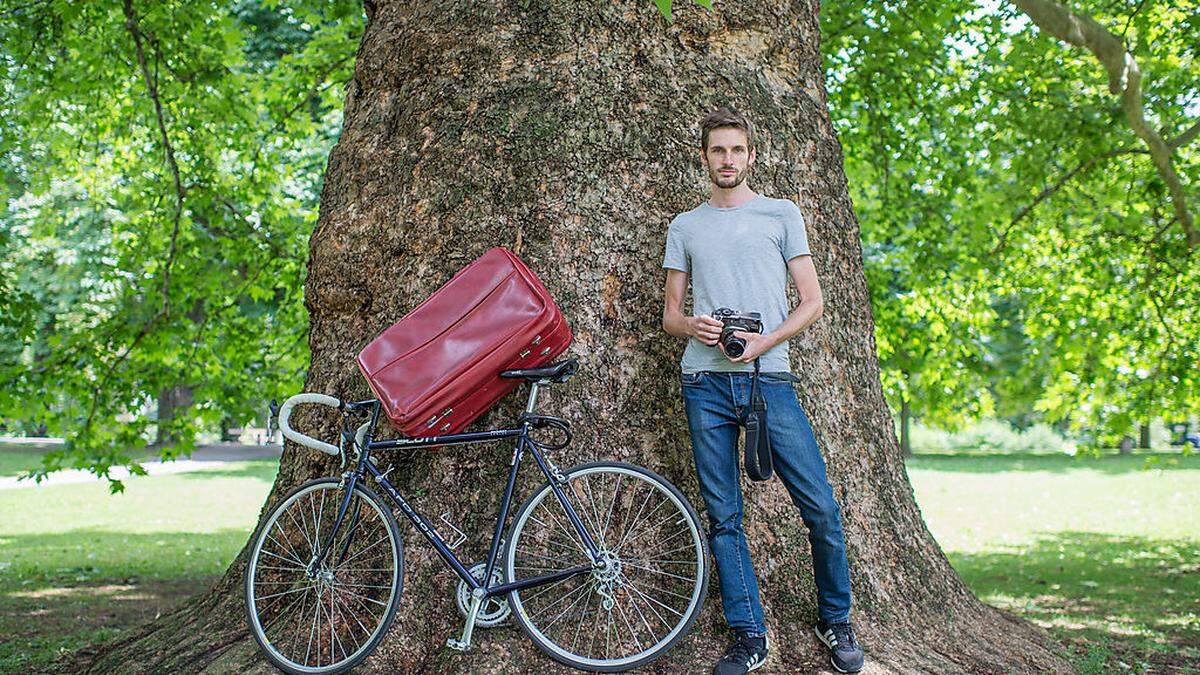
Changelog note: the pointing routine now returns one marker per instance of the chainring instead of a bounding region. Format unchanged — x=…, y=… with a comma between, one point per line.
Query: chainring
x=494, y=610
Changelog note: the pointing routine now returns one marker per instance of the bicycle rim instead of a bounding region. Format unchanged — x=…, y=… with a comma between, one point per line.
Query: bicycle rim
x=331, y=621
x=631, y=612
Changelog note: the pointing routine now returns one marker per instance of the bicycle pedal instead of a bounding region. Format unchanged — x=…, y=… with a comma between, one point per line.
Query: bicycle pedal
x=457, y=645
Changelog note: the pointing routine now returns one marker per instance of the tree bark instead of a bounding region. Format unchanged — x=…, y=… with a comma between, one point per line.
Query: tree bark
x=172, y=401
x=567, y=131
x=905, y=420
x=1124, y=80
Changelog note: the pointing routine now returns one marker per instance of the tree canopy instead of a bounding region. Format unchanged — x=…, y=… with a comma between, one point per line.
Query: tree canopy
x=162, y=163
x=1027, y=251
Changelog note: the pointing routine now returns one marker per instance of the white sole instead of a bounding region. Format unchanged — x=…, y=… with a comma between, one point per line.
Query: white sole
x=829, y=646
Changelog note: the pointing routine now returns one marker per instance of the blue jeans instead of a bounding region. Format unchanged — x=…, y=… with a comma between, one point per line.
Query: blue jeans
x=715, y=403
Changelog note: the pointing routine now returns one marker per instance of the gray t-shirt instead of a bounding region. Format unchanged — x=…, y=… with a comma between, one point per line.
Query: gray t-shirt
x=737, y=258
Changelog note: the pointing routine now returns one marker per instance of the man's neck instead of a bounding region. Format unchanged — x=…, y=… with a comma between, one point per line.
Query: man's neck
x=724, y=198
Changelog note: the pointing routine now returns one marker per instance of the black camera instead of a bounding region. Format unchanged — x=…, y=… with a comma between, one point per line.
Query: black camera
x=750, y=322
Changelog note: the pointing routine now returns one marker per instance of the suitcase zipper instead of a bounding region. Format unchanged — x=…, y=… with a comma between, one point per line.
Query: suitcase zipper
x=434, y=420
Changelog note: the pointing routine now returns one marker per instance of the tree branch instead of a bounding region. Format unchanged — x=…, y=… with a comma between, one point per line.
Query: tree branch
x=1056, y=186
x=1186, y=137
x=1124, y=80
x=131, y=24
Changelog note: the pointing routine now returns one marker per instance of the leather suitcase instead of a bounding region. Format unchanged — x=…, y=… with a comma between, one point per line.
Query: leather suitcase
x=438, y=369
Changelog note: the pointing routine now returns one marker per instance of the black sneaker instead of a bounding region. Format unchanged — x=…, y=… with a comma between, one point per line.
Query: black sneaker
x=844, y=652
x=744, y=655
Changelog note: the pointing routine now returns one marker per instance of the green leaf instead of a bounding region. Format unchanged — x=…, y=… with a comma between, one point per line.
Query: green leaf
x=664, y=6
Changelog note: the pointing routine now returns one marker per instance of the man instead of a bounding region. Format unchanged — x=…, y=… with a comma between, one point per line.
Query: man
x=738, y=249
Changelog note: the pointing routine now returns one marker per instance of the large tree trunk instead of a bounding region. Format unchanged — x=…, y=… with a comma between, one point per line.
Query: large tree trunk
x=568, y=132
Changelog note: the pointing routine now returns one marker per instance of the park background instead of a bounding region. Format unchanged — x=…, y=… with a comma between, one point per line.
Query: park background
x=1032, y=271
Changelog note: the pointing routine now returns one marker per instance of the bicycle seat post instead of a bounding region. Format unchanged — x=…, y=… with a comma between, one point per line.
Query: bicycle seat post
x=533, y=393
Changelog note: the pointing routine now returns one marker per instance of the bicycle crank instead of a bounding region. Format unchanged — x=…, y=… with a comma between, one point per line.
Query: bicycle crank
x=492, y=611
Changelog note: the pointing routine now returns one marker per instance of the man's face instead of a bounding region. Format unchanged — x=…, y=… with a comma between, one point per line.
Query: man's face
x=728, y=159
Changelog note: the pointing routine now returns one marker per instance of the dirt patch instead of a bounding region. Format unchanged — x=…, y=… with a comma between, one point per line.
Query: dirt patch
x=107, y=604
x=46, y=621
x=1118, y=656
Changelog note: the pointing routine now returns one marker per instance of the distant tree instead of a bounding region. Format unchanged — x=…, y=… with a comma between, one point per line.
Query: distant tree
x=162, y=188
x=1024, y=249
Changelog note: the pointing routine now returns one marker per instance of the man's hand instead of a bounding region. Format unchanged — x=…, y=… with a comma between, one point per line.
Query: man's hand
x=705, y=329
x=756, y=345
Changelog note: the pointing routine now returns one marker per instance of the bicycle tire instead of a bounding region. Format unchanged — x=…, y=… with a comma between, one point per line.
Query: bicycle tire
x=267, y=531
x=698, y=541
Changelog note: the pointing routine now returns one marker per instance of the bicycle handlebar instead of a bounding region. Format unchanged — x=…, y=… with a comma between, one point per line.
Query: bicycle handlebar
x=285, y=411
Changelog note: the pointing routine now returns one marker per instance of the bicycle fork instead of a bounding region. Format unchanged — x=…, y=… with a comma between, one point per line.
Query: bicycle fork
x=322, y=552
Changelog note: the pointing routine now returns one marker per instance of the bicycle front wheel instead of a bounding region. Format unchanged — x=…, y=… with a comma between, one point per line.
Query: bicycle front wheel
x=647, y=593
x=323, y=618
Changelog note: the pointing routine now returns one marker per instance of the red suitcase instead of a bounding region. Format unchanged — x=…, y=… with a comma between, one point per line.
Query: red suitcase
x=438, y=369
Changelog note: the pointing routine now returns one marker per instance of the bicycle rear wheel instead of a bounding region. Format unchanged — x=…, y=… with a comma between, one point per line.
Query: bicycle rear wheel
x=649, y=591
x=329, y=620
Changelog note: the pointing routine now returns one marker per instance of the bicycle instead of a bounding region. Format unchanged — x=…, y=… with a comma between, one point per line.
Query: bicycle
x=322, y=586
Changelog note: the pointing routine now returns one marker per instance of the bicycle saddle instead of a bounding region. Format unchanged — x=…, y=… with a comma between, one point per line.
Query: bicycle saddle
x=555, y=372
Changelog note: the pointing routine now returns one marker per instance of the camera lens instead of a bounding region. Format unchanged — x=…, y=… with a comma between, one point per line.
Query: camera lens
x=735, y=347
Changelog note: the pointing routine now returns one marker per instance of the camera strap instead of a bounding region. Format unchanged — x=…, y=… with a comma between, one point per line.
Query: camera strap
x=758, y=440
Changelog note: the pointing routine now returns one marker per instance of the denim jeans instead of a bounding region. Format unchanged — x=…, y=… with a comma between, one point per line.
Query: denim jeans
x=715, y=403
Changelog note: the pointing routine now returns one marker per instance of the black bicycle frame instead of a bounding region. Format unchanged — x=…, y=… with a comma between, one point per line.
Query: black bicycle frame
x=523, y=442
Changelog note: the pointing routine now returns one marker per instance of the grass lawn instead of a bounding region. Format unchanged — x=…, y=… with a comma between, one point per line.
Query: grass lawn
x=1104, y=552
x=77, y=565
x=17, y=459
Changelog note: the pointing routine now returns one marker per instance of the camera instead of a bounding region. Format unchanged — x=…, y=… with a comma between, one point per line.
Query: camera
x=750, y=322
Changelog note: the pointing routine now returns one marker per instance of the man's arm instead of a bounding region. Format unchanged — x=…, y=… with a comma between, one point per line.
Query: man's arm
x=812, y=304
x=704, y=328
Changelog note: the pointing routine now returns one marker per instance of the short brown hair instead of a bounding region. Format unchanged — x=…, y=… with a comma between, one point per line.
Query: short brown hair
x=726, y=118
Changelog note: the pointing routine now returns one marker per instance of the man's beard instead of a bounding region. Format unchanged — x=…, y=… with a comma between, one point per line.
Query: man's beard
x=727, y=182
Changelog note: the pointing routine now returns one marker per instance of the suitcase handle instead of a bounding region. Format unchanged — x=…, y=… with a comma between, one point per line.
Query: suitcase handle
x=285, y=412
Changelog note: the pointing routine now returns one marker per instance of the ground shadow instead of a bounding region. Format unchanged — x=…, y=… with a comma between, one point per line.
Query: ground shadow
x=1099, y=588
x=66, y=590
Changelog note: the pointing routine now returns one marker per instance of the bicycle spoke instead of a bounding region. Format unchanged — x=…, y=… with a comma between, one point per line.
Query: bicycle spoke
x=316, y=541
x=649, y=494
x=289, y=548
x=654, y=571
x=641, y=528
x=582, y=587
x=298, y=565
x=571, y=536
x=580, y=625
x=299, y=622
x=276, y=595
x=587, y=486
x=637, y=523
x=632, y=630
x=573, y=603
x=359, y=599
x=283, y=615
x=292, y=616
x=312, y=631
x=272, y=567
x=647, y=597
x=362, y=551
x=302, y=528
x=613, y=502
x=349, y=611
x=363, y=597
